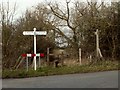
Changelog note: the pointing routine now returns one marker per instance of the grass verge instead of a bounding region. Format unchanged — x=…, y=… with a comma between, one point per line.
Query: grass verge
x=46, y=71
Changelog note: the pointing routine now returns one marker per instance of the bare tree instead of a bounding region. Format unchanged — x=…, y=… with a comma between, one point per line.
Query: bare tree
x=65, y=15
x=7, y=17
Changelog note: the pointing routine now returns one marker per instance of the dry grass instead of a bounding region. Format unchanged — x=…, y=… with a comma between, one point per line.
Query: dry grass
x=70, y=62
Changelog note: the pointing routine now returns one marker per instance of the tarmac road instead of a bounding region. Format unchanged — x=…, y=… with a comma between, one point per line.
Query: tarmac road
x=108, y=79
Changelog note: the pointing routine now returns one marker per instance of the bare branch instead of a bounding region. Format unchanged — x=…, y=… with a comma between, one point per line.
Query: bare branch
x=68, y=18
x=57, y=14
x=13, y=13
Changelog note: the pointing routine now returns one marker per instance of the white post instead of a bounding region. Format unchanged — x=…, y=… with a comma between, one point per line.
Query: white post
x=80, y=56
x=34, y=48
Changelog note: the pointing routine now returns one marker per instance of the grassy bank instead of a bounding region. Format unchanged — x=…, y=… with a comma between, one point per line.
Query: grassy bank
x=46, y=71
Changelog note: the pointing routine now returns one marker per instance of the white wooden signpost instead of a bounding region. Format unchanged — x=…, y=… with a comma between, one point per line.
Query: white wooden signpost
x=34, y=33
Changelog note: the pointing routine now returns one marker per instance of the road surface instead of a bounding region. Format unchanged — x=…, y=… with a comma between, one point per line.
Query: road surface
x=108, y=79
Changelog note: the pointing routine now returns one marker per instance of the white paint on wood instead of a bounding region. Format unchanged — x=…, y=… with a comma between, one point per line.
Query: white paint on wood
x=36, y=33
x=38, y=55
x=29, y=55
x=34, y=48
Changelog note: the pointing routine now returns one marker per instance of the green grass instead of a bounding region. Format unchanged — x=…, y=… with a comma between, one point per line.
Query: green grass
x=46, y=71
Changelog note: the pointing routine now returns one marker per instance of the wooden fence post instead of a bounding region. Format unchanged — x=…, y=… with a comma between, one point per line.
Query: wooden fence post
x=48, y=55
x=80, y=56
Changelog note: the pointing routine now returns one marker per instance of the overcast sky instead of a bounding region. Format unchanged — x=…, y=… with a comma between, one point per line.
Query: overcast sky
x=22, y=5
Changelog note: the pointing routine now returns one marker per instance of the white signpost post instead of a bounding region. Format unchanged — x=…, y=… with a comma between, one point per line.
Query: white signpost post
x=34, y=33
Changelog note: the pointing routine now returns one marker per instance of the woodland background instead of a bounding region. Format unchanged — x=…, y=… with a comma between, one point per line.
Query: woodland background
x=68, y=27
